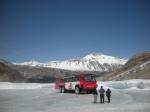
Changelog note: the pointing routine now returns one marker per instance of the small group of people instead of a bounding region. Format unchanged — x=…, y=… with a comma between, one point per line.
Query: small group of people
x=102, y=94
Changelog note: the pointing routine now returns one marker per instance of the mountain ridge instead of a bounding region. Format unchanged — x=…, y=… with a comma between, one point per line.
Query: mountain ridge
x=137, y=67
x=91, y=62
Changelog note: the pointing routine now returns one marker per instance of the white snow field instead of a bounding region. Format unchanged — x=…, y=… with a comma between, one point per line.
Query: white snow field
x=127, y=96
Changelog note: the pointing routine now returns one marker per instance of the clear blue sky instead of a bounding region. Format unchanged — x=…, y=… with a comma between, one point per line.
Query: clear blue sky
x=45, y=30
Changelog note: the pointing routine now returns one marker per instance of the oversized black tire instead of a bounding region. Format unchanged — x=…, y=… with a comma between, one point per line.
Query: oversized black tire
x=62, y=90
x=77, y=90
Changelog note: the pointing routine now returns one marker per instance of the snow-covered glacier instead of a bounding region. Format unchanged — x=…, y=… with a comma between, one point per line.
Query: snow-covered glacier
x=141, y=84
x=127, y=96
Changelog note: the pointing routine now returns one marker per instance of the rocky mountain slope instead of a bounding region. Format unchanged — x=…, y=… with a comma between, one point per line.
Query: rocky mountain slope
x=138, y=67
x=23, y=73
x=8, y=74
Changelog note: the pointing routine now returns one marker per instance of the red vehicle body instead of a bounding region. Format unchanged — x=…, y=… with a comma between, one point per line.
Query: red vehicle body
x=85, y=82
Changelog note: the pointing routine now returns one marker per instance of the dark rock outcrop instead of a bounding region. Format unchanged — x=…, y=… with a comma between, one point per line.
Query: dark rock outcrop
x=8, y=74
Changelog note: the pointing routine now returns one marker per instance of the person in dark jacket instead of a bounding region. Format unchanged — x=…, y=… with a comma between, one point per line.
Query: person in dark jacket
x=102, y=92
x=108, y=94
x=94, y=91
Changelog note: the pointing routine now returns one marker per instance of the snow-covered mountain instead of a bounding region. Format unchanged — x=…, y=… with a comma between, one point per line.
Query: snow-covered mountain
x=91, y=62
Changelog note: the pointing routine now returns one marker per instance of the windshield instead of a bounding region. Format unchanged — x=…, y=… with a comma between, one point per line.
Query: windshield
x=89, y=78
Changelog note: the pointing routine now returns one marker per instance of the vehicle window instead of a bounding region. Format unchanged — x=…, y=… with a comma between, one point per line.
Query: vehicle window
x=90, y=78
x=70, y=79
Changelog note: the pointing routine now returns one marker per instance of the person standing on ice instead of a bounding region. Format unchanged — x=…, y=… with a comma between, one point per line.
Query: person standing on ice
x=102, y=92
x=94, y=91
x=108, y=94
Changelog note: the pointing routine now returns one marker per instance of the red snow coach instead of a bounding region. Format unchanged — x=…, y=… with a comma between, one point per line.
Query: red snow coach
x=78, y=83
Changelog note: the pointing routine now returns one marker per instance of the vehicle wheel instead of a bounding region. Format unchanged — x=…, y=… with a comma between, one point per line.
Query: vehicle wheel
x=62, y=90
x=77, y=90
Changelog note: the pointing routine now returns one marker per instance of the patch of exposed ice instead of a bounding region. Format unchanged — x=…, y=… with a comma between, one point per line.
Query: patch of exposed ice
x=127, y=84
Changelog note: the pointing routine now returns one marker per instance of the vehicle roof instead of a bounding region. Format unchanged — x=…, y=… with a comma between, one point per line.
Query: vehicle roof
x=76, y=76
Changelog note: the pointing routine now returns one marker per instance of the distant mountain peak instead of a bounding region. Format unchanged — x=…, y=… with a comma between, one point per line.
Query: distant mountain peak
x=94, y=54
x=91, y=62
x=102, y=58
